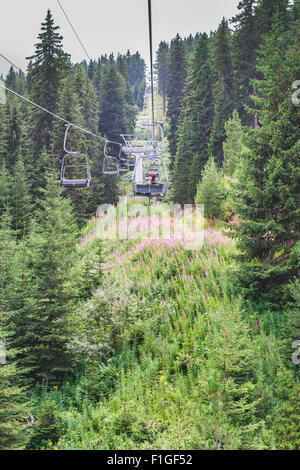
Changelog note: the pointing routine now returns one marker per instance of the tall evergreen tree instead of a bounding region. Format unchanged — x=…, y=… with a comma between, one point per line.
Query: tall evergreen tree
x=112, y=104
x=162, y=67
x=265, y=11
x=51, y=249
x=22, y=207
x=177, y=76
x=224, y=89
x=195, y=126
x=12, y=411
x=268, y=192
x=245, y=43
x=49, y=65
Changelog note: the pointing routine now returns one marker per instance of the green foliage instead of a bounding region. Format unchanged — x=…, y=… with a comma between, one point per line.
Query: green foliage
x=210, y=191
x=49, y=65
x=51, y=247
x=223, y=90
x=175, y=90
x=162, y=68
x=234, y=147
x=12, y=410
x=287, y=423
x=48, y=427
x=267, y=195
x=195, y=126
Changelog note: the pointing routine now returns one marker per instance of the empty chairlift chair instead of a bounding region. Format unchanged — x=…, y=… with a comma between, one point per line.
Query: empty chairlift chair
x=75, y=168
x=110, y=165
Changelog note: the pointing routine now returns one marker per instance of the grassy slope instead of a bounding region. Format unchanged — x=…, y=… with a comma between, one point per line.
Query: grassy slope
x=182, y=366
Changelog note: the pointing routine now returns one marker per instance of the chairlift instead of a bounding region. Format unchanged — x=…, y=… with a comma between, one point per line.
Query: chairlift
x=75, y=168
x=110, y=165
x=141, y=184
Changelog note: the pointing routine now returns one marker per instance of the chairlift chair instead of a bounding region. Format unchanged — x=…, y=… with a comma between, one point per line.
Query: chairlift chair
x=142, y=187
x=75, y=168
x=110, y=165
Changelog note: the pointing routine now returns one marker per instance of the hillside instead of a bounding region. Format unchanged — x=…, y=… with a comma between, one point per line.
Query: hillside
x=174, y=360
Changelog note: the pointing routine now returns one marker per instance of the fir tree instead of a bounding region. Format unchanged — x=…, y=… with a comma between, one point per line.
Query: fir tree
x=6, y=190
x=195, y=126
x=13, y=413
x=268, y=193
x=22, y=208
x=223, y=91
x=245, y=43
x=49, y=65
x=51, y=248
x=234, y=146
x=210, y=190
x=264, y=13
x=177, y=76
x=112, y=104
x=162, y=67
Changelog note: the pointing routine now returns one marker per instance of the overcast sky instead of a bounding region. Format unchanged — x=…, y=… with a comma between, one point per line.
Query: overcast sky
x=105, y=26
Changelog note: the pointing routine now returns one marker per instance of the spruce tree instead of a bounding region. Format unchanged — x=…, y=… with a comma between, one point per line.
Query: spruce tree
x=13, y=413
x=267, y=198
x=234, y=146
x=195, y=126
x=22, y=208
x=245, y=43
x=210, y=190
x=177, y=76
x=162, y=66
x=264, y=15
x=6, y=189
x=51, y=251
x=48, y=66
x=223, y=90
x=112, y=104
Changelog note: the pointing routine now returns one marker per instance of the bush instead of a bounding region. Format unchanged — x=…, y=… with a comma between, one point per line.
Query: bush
x=211, y=191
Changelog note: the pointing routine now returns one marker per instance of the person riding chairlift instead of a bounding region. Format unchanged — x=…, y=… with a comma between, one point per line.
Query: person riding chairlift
x=152, y=177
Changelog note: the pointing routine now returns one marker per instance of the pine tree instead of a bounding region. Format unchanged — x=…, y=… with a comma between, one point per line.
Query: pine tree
x=17, y=141
x=130, y=110
x=49, y=65
x=234, y=146
x=210, y=190
x=245, y=43
x=3, y=130
x=264, y=13
x=224, y=90
x=162, y=66
x=87, y=99
x=22, y=209
x=268, y=193
x=51, y=248
x=12, y=411
x=195, y=126
x=177, y=76
x=112, y=104
x=6, y=190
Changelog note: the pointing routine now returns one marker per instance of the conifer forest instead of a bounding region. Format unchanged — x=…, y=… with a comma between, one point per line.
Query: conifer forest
x=114, y=339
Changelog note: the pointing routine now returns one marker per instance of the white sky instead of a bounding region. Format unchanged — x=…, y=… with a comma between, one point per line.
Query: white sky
x=105, y=26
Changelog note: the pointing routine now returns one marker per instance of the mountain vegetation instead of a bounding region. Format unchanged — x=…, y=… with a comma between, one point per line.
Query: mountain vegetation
x=145, y=343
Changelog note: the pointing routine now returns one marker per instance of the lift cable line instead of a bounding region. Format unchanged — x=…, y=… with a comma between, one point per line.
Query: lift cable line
x=58, y=117
x=74, y=30
x=11, y=63
x=151, y=62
